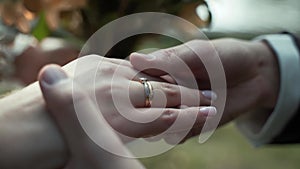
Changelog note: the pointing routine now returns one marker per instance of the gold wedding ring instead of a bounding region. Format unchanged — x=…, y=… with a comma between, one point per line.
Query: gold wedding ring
x=148, y=89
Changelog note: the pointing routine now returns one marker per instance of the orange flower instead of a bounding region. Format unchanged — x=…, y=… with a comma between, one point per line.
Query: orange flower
x=20, y=13
x=53, y=9
x=15, y=14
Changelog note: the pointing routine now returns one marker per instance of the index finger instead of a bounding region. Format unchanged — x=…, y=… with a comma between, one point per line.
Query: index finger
x=170, y=60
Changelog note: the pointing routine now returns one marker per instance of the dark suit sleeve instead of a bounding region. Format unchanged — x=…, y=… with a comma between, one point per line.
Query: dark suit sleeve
x=291, y=133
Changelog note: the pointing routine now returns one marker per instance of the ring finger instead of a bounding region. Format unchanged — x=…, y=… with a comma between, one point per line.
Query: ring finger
x=167, y=95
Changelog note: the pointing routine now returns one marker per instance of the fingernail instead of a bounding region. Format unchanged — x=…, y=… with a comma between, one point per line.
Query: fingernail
x=53, y=74
x=208, y=111
x=210, y=95
x=147, y=56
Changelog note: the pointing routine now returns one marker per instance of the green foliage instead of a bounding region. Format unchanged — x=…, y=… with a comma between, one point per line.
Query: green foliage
x=226, y=149
x=41, y=30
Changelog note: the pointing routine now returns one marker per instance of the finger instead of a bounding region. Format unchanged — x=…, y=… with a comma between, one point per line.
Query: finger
x=61, y=98
x=180, y=137
x=170, y=60
x=169, y=79
x=56, y=101
x=165, y=119
x=57, y=91
x=169, y=95
x=160, y=62
x=203, y=84
x=106, y=66
x=177, y=95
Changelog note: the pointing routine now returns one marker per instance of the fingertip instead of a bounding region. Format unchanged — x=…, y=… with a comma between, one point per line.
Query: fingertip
x=210, y=95
x=51, y=74
x=44, y=68
x=133, y=55
x=208, y=111
x=136, y=54
x=135, y=59
x=148, y=66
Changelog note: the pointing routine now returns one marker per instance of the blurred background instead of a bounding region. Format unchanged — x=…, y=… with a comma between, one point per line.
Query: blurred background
x=34, y=33
x=226, y=149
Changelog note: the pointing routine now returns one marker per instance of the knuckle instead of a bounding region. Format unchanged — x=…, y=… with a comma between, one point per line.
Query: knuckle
x=169, y=54
x=106, y=86
x=170, y=90
x=169, y=116
x=105, y=89
x=108, y=69
x=168, y=112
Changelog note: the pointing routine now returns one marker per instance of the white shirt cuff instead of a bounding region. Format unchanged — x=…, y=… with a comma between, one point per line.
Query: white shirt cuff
x=259, y=126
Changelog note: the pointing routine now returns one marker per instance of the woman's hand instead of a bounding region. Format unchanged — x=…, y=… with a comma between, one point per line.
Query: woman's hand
x=251, y=71
x=121, y=97
x=106, y=81
x=60, y=98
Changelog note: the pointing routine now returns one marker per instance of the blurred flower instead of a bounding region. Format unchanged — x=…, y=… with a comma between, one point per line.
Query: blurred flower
x=14, y=13
x=54, y=8
x=20, y=13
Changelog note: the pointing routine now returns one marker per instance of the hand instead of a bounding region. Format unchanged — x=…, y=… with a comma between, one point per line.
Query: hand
x=96, y=76
x=250, y=67
x=83, y=152
x=114, y=79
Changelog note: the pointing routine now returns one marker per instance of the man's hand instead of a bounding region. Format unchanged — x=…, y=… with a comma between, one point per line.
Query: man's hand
x=250, y=67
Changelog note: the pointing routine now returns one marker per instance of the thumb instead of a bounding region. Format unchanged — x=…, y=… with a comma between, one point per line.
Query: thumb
x=75, y=113
x=57, y=87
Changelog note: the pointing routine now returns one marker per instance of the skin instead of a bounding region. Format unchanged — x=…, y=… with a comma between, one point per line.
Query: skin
x=83, y=152
x=29, y=134
x=251, y=71
x=246, y=65
x=29, y=63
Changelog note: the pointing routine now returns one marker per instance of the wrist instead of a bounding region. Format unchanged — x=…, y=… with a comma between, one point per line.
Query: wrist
x=28, y=132
x=268, y=72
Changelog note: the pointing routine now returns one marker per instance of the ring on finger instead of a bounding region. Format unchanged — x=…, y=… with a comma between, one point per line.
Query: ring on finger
x=148, y=89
